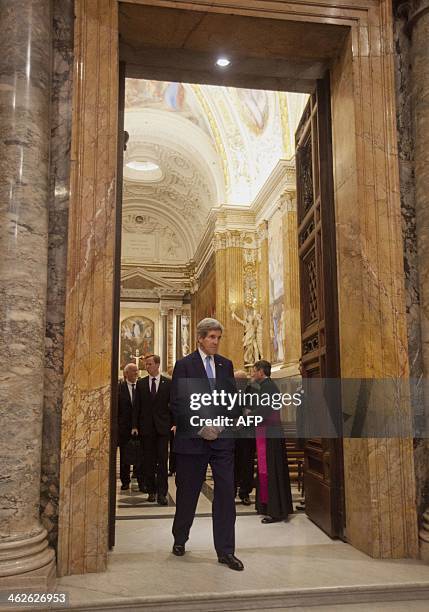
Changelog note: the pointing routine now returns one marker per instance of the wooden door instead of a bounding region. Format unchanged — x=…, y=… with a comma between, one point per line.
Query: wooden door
x=323, y=458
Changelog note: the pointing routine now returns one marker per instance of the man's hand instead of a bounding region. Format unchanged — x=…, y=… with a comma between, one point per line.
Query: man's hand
x=134, y=432
x=173, y=429
x=209, y=433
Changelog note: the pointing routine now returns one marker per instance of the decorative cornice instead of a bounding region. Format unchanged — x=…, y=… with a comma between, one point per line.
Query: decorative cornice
x=281, y=179
x=155, y=293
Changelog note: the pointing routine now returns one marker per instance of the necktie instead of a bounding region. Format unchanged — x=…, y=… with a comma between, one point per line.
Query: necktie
x=153, y=387
x=210, y=373
x=133, y=393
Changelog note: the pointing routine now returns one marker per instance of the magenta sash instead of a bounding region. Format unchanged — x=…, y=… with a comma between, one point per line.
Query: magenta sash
x=261, y=449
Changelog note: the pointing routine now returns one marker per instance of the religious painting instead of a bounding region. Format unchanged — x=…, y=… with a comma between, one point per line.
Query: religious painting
x=142, y=93
x=253, y=109
x=137, y=334
x=166, y=96
x=276, y=276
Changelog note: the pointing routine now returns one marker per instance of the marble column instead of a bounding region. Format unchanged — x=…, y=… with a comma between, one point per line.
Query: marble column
x=291, y=285
x=230, y=264
x=221, y=285
x=164, y=364
x=418, y=26
x=170, y=341
x=178, y=336
x=264, y=286
x=25, y=68
x=235, y=276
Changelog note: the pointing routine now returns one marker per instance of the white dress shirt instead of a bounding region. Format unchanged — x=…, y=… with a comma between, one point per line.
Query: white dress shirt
x=130, y=388
x=157, y=381
x=212, y=361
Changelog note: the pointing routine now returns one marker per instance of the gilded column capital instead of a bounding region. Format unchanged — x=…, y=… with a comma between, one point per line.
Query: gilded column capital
x=288, y=201
x=219, y=241
x=262, y=232
x=233, y=238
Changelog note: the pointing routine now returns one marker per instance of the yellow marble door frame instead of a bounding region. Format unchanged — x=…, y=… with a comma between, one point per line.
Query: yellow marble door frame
x=379, y=474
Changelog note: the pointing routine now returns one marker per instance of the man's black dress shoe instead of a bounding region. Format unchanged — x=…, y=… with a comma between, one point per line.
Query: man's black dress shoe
x=162, y=500
x=151, y=497
x=125, y=487
x=178, y=550
x=270, y=519
x=246, y=501
x=232, y=562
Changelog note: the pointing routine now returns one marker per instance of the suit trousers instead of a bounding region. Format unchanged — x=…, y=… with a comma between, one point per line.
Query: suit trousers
x=124, y=468
x=155, y=452
x=245, y=450
x=190, y=475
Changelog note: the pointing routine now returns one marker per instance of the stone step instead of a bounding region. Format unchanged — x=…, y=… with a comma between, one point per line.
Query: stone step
x=279, y=599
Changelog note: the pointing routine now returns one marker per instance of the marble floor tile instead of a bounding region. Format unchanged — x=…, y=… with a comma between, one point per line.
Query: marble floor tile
x=283, y=556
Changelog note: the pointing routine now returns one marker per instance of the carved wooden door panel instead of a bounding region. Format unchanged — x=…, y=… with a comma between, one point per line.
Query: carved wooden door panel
x=323, y=461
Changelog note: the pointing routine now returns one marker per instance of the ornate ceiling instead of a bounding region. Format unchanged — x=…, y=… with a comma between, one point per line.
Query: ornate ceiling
x=192, y=148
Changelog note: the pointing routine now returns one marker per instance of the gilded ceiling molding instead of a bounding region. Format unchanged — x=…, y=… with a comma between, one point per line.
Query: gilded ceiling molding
x=220, y=148
x=284, y=117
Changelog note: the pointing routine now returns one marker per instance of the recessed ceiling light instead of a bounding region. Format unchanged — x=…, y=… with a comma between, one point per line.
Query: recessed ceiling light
x=223, y=62
x=142, y=166
x=143, y=170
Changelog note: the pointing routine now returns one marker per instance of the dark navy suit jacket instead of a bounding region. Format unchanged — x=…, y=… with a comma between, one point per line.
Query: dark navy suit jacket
x=190, y=376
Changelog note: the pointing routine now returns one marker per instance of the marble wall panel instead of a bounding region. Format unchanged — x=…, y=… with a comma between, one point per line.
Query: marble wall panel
x=85, y=435
x=403, y=61
x=61, y=91
x=373, y=334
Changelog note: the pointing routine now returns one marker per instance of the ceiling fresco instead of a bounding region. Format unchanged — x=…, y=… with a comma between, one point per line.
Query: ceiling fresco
x=193, y=147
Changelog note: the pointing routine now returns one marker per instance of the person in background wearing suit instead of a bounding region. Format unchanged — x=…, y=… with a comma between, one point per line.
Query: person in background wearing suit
x=197, y=447
x=127, y=394
x=152, y=419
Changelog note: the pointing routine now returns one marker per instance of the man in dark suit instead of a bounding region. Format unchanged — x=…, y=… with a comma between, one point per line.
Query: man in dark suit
x=153, y=420
x=127, y=394
x=198, y=446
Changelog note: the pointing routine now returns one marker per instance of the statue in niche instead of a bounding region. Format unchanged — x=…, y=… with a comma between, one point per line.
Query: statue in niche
x=259, y=334
x=250, y=341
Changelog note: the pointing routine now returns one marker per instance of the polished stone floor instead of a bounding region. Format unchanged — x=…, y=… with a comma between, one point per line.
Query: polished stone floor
x=294, y=563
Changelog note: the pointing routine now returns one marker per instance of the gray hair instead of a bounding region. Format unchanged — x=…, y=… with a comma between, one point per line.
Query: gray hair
x=127, y=367
x=207, y=325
